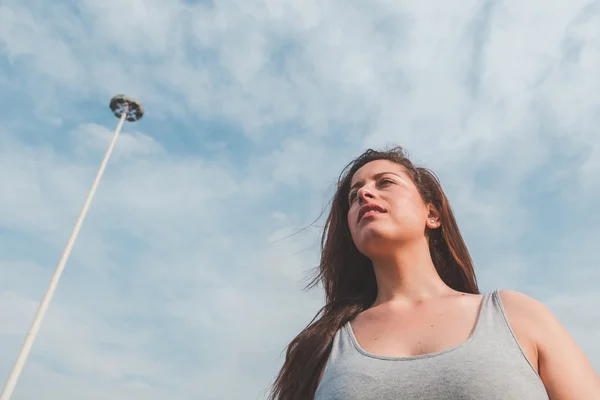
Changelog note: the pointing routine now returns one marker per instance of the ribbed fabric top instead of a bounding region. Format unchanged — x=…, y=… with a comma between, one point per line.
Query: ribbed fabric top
x=489, y=365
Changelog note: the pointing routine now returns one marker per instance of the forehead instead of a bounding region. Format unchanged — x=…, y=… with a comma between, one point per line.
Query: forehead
x=373, y=168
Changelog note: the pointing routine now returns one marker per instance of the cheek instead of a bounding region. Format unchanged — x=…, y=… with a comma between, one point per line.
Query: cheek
x=351, y=219
x=409, y=206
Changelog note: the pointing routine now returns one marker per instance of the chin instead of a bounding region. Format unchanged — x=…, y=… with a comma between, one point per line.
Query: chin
x=373, y=240
x=377, y=239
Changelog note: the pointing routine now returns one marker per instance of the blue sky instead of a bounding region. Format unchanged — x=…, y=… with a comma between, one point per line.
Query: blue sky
x=178, y=286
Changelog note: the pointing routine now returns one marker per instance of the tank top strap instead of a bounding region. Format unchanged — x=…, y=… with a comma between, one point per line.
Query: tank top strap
x=493, y=325
x=342, y=342
x=490, y=321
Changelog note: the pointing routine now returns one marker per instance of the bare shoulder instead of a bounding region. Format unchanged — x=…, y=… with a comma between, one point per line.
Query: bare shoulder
x=563, y=367
x=521, y=302
x=524, y=309
x=532, y=320
x=531, y=316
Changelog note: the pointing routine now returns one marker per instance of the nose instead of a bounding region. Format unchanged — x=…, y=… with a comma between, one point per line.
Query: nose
x=363, y=194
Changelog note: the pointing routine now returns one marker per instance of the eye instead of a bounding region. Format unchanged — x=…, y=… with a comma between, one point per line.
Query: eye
x=385, y=181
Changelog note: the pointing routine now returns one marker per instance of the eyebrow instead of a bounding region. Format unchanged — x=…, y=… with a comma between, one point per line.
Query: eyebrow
x=376, y=176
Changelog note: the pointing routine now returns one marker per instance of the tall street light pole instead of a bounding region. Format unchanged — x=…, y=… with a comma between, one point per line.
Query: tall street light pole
x=124, y=108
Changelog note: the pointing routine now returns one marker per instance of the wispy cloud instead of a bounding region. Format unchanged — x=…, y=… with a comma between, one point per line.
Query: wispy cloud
x=178, y=286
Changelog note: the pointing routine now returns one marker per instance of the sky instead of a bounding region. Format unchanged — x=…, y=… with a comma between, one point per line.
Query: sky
x=186, y=279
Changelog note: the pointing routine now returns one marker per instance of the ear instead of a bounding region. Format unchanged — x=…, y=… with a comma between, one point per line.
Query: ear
x=433, y=217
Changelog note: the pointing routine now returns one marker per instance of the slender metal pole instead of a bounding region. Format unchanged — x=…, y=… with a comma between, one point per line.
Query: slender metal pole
x=35, y=326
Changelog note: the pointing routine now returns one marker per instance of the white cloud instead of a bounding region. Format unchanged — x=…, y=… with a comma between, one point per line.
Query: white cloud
x=178, y=285
x=95, y=138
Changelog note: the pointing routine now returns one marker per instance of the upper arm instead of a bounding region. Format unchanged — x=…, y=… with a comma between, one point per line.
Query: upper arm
x=565, y=370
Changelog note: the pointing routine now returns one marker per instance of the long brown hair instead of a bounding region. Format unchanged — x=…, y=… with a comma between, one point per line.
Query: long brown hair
x=349, y=280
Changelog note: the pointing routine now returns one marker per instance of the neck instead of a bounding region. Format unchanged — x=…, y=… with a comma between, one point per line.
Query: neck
x=407, y=275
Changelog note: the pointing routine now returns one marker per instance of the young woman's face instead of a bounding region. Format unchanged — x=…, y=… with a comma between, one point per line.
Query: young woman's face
x=386, y=204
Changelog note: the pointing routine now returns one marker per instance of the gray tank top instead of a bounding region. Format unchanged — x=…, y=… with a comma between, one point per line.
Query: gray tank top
x=489, y=365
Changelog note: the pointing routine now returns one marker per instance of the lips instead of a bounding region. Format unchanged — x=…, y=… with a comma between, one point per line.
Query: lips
x=367, y=208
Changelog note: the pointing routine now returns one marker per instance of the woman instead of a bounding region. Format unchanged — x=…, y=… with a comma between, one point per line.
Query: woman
x=403, y=317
